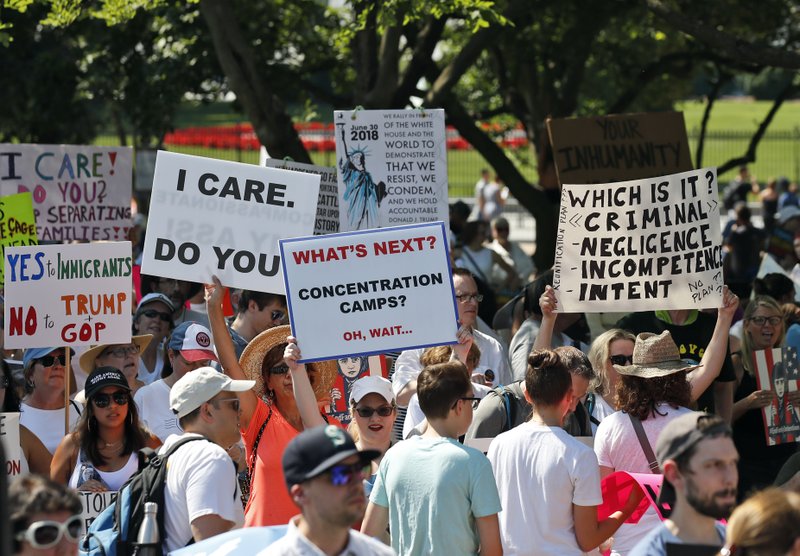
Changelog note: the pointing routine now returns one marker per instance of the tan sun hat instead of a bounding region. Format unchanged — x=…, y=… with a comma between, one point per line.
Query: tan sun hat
x=654, y=355
x=89, y=356
x=253, y=356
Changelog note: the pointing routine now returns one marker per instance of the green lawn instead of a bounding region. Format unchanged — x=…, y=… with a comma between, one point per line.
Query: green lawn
x=734, y=115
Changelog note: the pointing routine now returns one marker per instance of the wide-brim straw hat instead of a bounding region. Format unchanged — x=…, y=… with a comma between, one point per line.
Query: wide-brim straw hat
x=89, y=356
x=253, y=356
x=654, y=355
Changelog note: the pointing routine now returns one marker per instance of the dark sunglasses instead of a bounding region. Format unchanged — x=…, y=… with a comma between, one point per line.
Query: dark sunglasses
x=621, y=360
x=50, y=360
x=342, y=475
x=152, y=313
x=277, y=315
x=279, y=369
x=46, y=534
x=367, y=412
x=103, y=400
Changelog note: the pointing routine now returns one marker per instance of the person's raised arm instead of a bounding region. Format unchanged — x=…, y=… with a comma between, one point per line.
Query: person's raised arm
x=226, y=352
x=301, y=386
x=548, y=305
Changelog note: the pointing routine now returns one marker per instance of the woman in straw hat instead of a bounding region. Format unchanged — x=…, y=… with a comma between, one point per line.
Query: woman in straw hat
x=123, y=357
x=283, y=402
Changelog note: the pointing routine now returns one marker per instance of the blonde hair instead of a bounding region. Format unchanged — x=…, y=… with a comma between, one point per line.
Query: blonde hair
x=599, y=354
x=442, y=354
x=766, y=524
x=747, y=342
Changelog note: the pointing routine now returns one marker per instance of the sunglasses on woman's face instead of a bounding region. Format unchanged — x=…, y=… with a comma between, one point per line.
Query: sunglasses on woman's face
x=152, y=313
x=50, y=360
x=621, y=360
x=46, y=534
x=366, y=412
x=342, y=475
x=279, y=370
x=103, y=400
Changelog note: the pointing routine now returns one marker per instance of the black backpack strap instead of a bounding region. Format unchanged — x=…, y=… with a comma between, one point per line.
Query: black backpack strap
x=652, y=462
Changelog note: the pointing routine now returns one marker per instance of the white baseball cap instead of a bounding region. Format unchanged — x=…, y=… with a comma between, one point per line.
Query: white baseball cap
x=197, y=387
x=371, y=384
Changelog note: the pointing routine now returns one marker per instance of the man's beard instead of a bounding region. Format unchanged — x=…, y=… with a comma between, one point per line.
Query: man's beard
x=708, y=505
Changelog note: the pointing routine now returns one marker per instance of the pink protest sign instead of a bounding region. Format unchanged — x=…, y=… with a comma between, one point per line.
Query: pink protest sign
x=617, y=489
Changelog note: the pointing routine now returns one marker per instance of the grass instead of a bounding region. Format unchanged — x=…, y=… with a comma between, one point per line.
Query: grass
x=740, y=115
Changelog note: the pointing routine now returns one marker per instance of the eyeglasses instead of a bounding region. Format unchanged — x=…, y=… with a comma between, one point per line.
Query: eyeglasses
x=773, y=321
x=342, y=475
x=467, y=297
x=102, y=400
x=366, y=412
x=621, y=360
x=466, y=399
x=279, y=370
x=50, y=360
x=45, y=534
x=123, y=351
x=233, y=401
x=277, y=315
x=152, y=313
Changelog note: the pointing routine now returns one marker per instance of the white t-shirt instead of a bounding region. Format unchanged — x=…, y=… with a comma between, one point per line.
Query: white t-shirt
x=600, y=411
x=541, y=472
x=617, y=446
x=201, y=480
x=47, y=424
x=407, y=367
x=295, y=544
x=414, y=414
x=145, y=375
x=153, y=404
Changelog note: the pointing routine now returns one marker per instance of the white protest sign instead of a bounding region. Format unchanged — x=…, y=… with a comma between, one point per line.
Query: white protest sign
x=392, y=168
x=93, y=505
x=368, y=292
x=640, y=245
x=68, y=295
x=9, y=436
x=80, y=192
x=215, y=217
x=327, y=221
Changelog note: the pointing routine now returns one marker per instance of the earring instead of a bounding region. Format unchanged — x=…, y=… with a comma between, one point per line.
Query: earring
x=270, y=395
x=130, y=418
x=29, y=384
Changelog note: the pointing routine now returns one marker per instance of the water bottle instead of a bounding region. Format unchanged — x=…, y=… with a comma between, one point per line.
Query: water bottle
x=148, y=542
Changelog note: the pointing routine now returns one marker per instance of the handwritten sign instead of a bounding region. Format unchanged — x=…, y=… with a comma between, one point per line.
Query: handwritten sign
x=9, y=436
x=640, y=245
x=93, y=505
x=777, y=370
x=17, y=222
x=327, y=221
x=360, y=293
x=215, y=217
x=619, y=147
x=77, y=294
x=392, y=168
x=80, y=192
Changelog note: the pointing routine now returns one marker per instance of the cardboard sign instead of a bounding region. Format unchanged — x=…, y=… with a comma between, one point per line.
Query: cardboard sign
x=640, y=245
x=327, y=221
x=361, y=293
x=68, y=295
x=777, y=370
x=93, y=505
x=617, y=488
x=80, y=192
x=215, y=217
x=619, y=147
x=9, y=436
x=392, y=168
x=348, y=371
x=17, y=223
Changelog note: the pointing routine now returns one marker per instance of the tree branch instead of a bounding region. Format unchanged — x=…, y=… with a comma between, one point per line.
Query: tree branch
x=716, y=86
x=421, y=59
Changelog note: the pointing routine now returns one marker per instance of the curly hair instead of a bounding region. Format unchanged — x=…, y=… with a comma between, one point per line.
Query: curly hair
x=639, y=396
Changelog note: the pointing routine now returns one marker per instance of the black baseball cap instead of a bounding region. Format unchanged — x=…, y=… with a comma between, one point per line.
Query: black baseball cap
x=314, y=451
x=102, y=377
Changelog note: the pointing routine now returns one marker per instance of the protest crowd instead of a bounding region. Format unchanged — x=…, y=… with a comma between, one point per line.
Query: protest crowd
x=529, y=427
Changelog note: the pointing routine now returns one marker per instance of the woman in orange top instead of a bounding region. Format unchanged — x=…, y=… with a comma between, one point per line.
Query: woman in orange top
x=281, y=404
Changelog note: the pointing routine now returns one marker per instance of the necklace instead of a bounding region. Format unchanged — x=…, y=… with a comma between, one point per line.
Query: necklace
x=108, y=445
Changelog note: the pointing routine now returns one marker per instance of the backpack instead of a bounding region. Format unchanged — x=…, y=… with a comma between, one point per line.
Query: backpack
x=114, y=531
x=509, y=401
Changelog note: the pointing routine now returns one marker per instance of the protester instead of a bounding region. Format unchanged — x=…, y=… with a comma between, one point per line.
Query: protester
x=549, y=483
x=45, y=517
x=490, y=199
x=698, y=459
x=437, y=495
x=651, y=392
x=743, y=247
x=480, y=260
x=189, y=348
x=256, y=312
x=179, y=291
x=201, y=494
x=323, y=469
x=769, y=203
x=612, y=347
x=760, y=463
x=408, y=366
x=511, y=252
x=768, y=524
x=42, y=408
x=153, y=316
x=123, y=357
x=102, y=453
x=282, y=404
